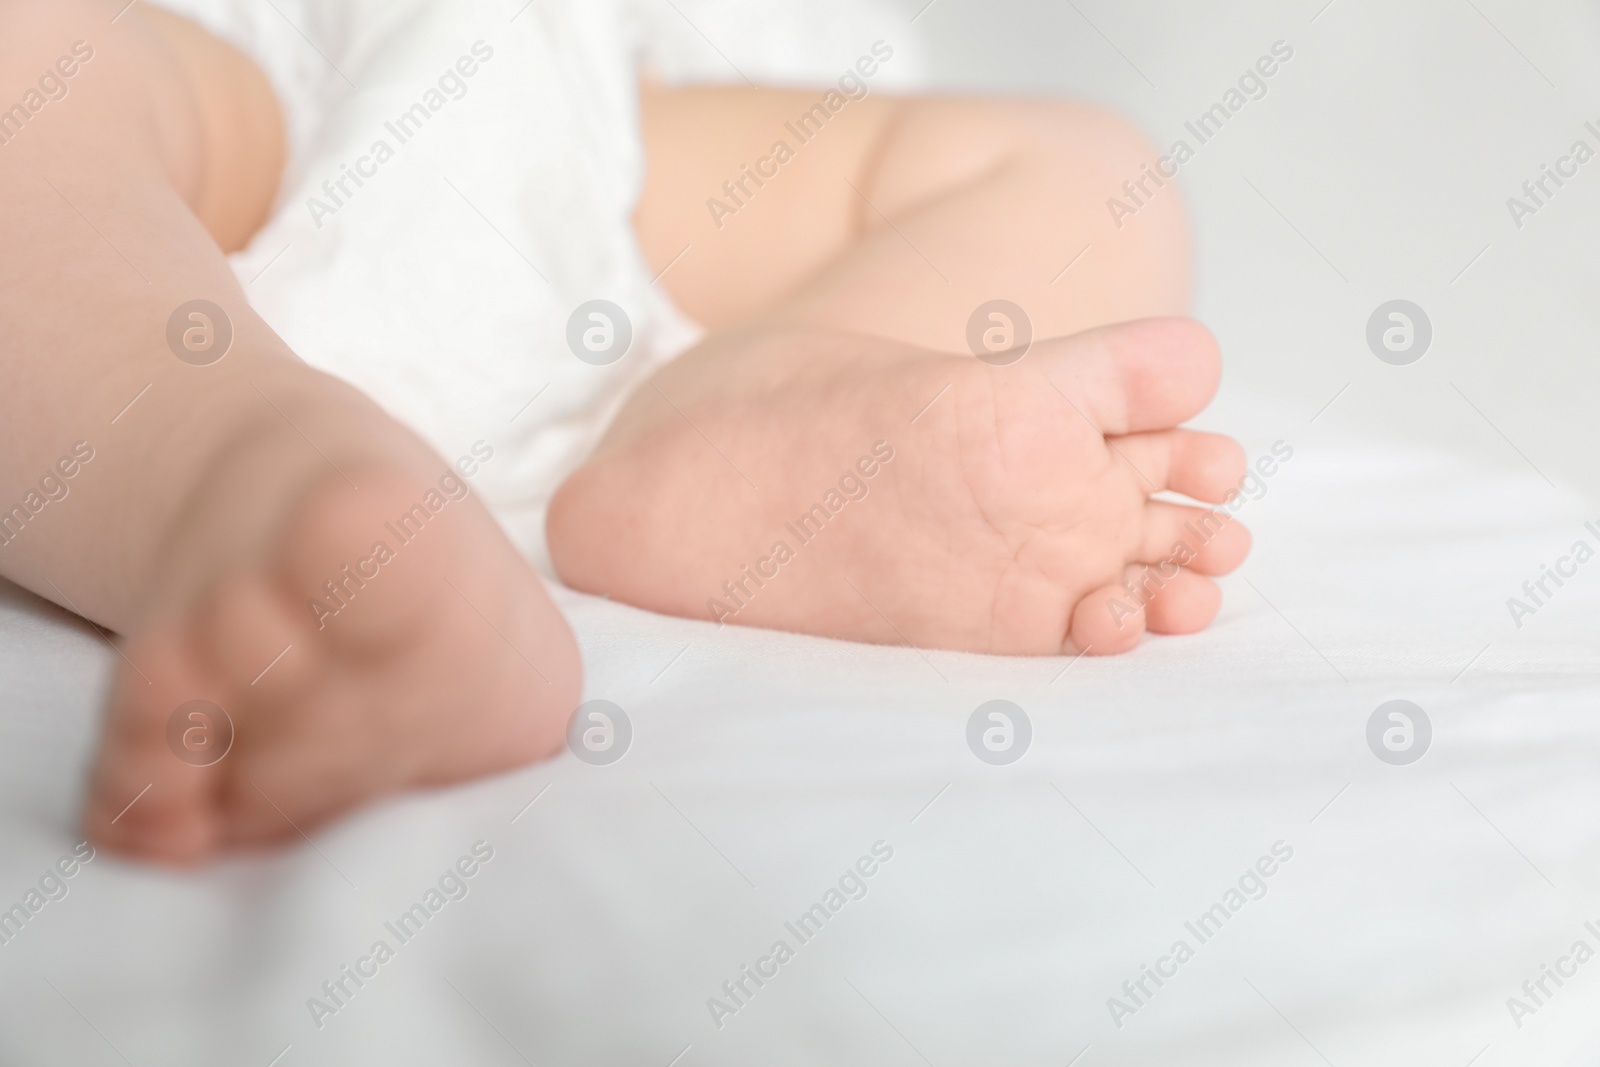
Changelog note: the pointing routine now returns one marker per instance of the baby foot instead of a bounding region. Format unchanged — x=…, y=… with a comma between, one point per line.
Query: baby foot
x=863, y=489
x=386, y=638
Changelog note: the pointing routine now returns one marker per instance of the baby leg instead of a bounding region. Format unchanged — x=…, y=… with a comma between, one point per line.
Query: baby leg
x=182, y=478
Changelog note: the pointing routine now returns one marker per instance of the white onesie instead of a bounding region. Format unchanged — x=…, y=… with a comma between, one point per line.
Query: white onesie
x=459, y=197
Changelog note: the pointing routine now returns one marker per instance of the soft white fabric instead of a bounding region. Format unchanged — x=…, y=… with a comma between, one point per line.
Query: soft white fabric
x=1014, y=905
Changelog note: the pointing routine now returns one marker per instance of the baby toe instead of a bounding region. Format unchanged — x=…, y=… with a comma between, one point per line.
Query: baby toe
x=1200, y=539
x=1184, y=604
x=1203, y=466
x=1107, y=621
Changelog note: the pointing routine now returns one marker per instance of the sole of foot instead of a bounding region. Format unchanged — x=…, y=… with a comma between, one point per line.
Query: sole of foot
x=857, y=488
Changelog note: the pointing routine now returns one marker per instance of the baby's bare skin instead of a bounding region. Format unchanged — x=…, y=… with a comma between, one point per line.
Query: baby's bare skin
x=1004, y=519
x=227, y=495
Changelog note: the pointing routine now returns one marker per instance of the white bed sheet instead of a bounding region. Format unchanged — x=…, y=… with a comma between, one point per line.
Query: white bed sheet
x=1018, y=898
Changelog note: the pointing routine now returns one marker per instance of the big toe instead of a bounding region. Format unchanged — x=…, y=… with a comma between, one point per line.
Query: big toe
x=1151, y=374
x=1185, y=604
